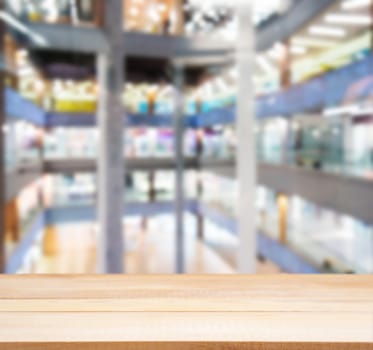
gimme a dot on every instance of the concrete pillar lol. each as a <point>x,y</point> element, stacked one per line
<point>287,141</point>
<point>246,158</point>
<point>110,160</point>
<point>2,143</point>
<point>179,185</point>
<point>349,153</point>
<point>199,184</point>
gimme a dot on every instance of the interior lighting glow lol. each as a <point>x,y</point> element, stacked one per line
<point>162,7</point>
<point>295,126</point>
<point>353,110</point>
<point>134,11</point>
<point>154,15</point>
<point>24,71</point>
<point>327,31</point>
<point>316,133</point>
<point>349,19</point>
<point>313,42</point>
<point>278,51</point>
<point>355,4</point>
<point>5,129</point>
<point>337,111</point>
<point>298,50</point>
<point>39,86</point>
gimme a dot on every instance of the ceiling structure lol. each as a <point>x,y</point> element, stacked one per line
<point>328,39</point>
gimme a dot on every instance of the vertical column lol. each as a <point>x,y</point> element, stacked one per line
<point>287,141</point>
<point>199,153</point>
<point>110,159</point>
<point>283,207</point>
<point>179,185</point>
<point>349,155</point>
<point>2,143</point>
<point>246,160</point>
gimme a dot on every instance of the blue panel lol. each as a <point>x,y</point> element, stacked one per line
<point>140,120</point>
<point>216,216</point>
<point>226,115</point>
<point>54,119</point>
<point>282,256</point>
<point>17,107</point>
<point>89,120</point>
<point>15,262</point>
<point>55,216</point>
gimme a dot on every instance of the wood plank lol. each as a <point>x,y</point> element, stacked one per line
<point>187,326</point>
<point>186,312</point>
<point>213,293</point>
<point>187,346</point>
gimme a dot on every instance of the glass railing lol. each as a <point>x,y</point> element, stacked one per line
<point>357,164</point>
<point>64,191</point>
<point>327,246</point>
<point>330,241</point>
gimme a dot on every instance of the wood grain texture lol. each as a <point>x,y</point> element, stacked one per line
<point>186,312</point>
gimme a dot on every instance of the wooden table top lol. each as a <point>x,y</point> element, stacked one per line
<point>256,312</point>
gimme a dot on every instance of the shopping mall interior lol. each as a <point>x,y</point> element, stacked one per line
<point>185,136</point>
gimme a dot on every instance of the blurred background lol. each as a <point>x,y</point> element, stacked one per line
<point>210,170</point>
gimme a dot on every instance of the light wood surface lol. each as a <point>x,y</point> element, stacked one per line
<point>186,312</point>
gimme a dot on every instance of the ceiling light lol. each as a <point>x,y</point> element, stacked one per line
<point>154,15</point>
<point>25,71</point>
<point>134,11</point>
<point>233,73</point>
<point>337,111</point>
<point>327,31</point>
<point>39,86</point>
<point>353,110</point>
<point>162,7</point>
<point>353,20</point>
<point>298,50</point>
<point>278,51</point>
<point>313,42</point>
<point>355,4</point>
